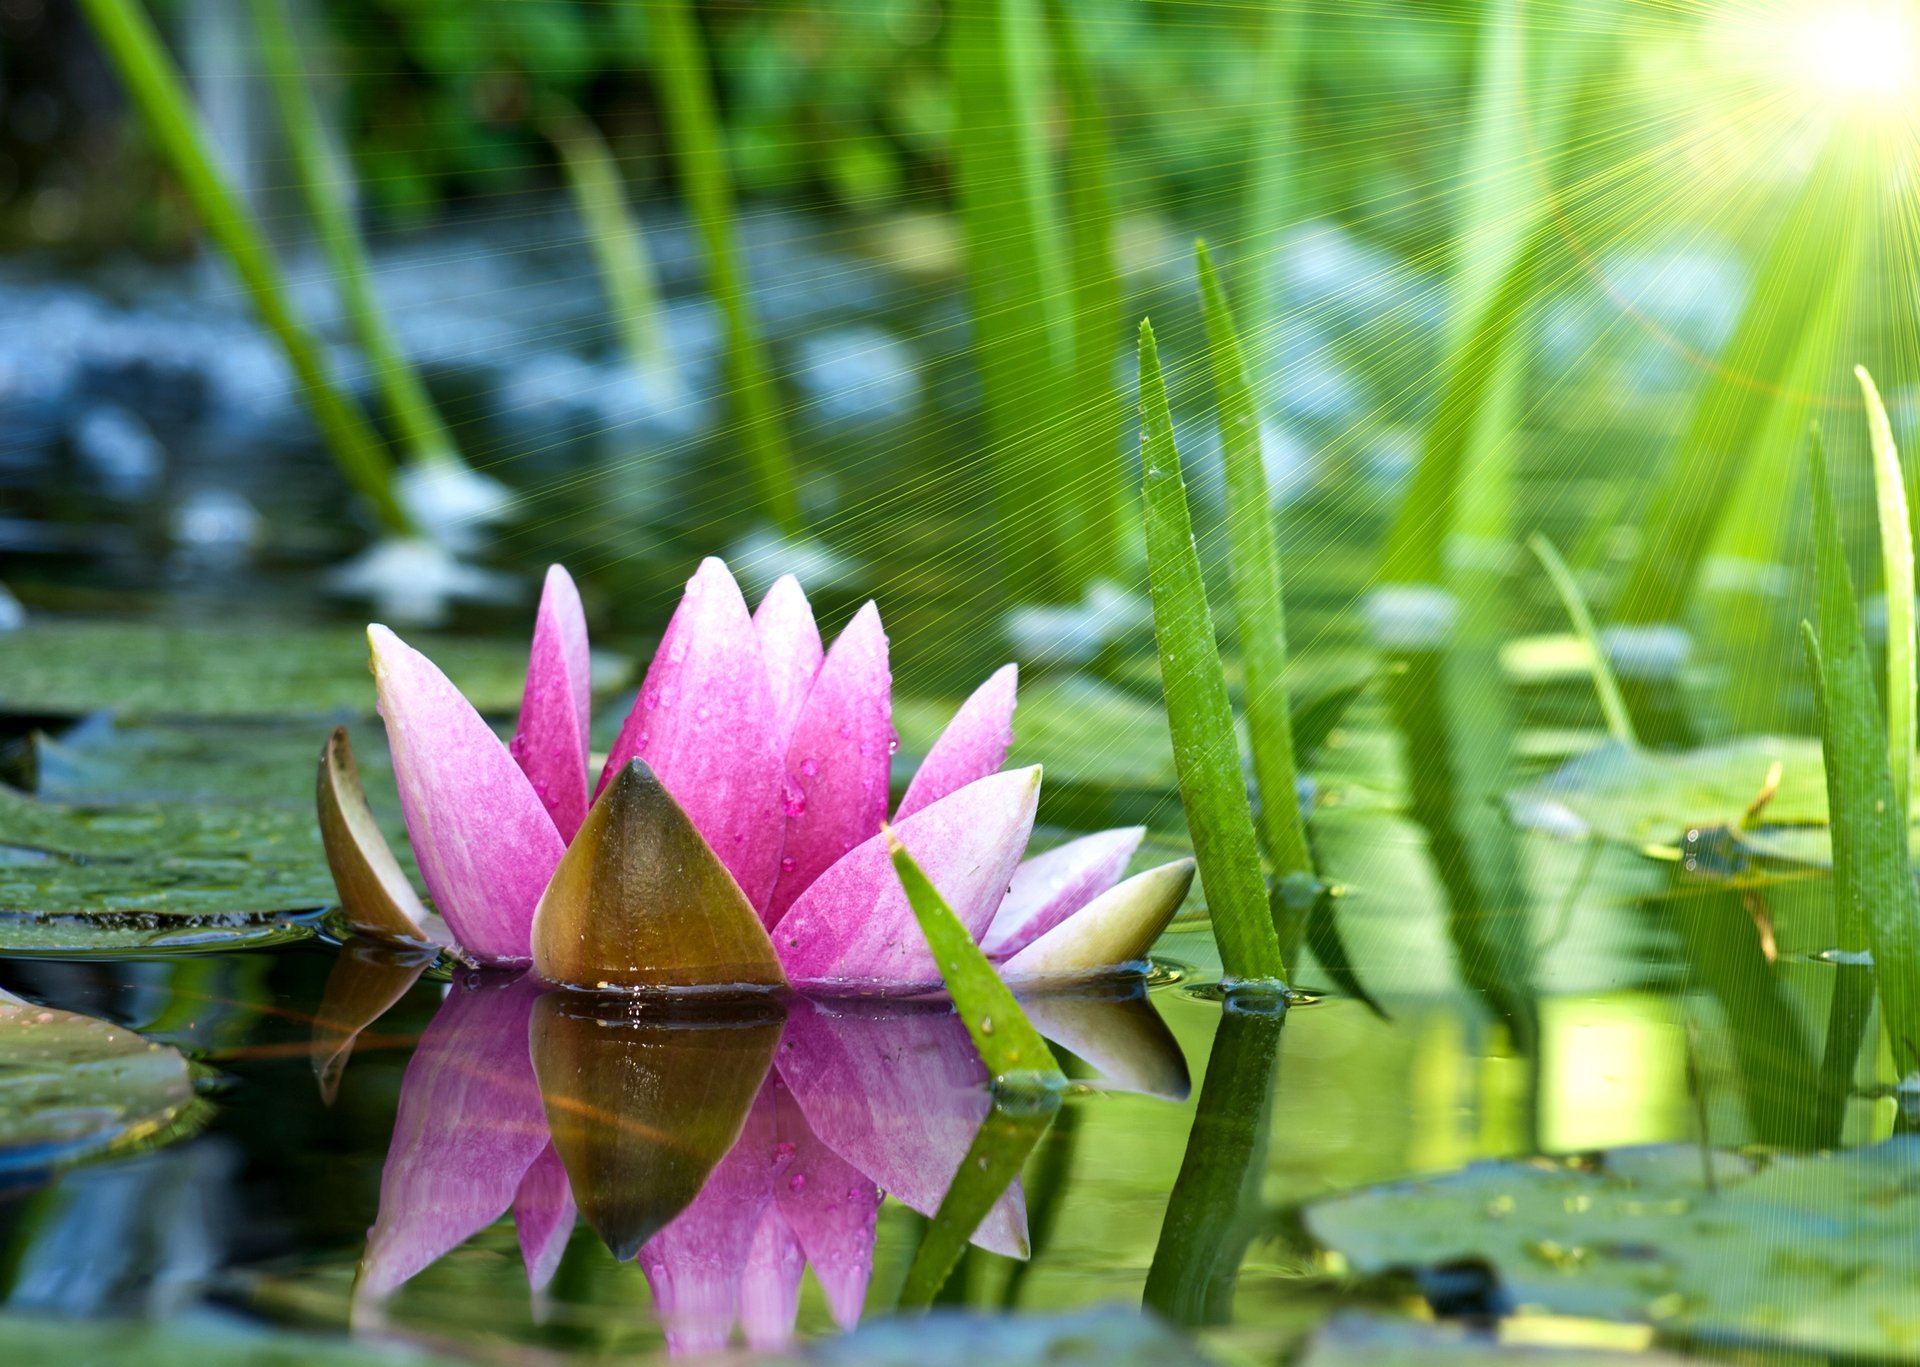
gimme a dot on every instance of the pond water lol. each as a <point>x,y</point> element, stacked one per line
<point>339,1140</point>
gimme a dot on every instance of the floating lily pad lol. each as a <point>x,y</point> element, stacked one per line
<point>1110,1336</point>
<point>1640,797</point>
<point>74,1085</point>
<point>1357,1340</point>
<point>1814,1252</point>
<point>70,668</point>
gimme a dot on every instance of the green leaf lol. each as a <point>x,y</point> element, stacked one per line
<point>158,94</point>
<point>1257,601</point>
<point>68,668</point>
<point>682,71</point>
<point>1873,883</point>
<point>72,1086</point>
<point>1896,555</point>
<point>239,1342</point>
<point>1206,750</point>
<point>1612,705</point>
<point>640,901</point>
<point>1812,1252</point>
<point>1011,1048</point>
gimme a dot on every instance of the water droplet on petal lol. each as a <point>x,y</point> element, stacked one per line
<point>809,767</point>
<point>797,1182</point>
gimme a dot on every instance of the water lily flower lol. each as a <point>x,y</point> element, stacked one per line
<point>736,835</point>
<point>724,1153</point>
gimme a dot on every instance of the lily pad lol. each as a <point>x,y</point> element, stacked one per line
<point>1636,797</point>
<point>1358,1340</point>
<point>74,1085</point>
<point>139,669</point>
<point>1813,1252</point>
<point>210,1340</point>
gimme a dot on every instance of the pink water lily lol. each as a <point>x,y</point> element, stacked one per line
<point>736,833</point>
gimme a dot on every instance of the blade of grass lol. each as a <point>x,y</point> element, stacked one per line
<point>1619,720</point>
<point>1206,750</point>
<point>324,180</point>
<point>619,247</point>
<point>1254,552</point>
<point>1094,409</point>
<point>159,94</point>
<point>683,70</point>
<point>1896,556</point>
<point>1009,1045</point>
<point>1873,885</point>
<point>1017,278</point>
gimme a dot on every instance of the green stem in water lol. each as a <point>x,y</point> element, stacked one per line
<point>137,53</point>
<point>1206,749</point>
<point>700,154</point>
<point>1896,555</point>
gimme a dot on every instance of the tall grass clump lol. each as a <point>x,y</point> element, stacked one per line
<point>1206,749</point>
<point>159,94</point>
<point>701,158</point>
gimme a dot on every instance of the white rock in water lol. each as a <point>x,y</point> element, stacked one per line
<point>414,581</point>
<point>1411,616</point>
<point>1073,633</point>
<point>859,374</point>
<point>451,502</point>
<point>762,556</point>
<point>1656,652</point>
<point>119,451</point>
<point>12,615</point>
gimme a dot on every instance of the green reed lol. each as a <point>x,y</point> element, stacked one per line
<point>160,96</point>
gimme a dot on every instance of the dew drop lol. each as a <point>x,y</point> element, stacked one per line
<point>809,767</point>
<point>788,863</point>
<point>797,1182</point>
<point>986,1025</point>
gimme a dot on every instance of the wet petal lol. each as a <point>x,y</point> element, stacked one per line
<point>1111,933</point>
<point>704,722</point>
<point>550,743</point>
<point>1121,1037</point>
<point>645,1100</point>
<point>770,1284</point>
<point>838,759</point>
<point>974,744</point>
<point>469,1125</point>
<point>639,901</point>
<point>1050,887</point>
<point>485,844</point>
<point>897,1091</point>
<point>376,899</point>
<point>853,929</point>
<point>790,644</point>
<point>543,1215</point>
<point>695,1265</point>
<point>830,1205</point>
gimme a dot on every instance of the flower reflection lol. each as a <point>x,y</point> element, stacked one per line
<point>724,1151</point>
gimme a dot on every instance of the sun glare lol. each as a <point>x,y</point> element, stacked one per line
<point>1860,54</point>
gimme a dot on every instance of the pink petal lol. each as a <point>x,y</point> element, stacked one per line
<point>704,722</point>
<point>898,1092</point>
<point>853,929</point>
<point>831,1207</point>
<point>470,1124</point>
<point>485,844</point>
<point>838,759</point>
<point>543,1215</point>
<point>770,1285</point>
<point>695,1264</point>
<point>974,744</point>
<point>550,742</point>
<point>790,644</point>
<point>1050,887</point>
